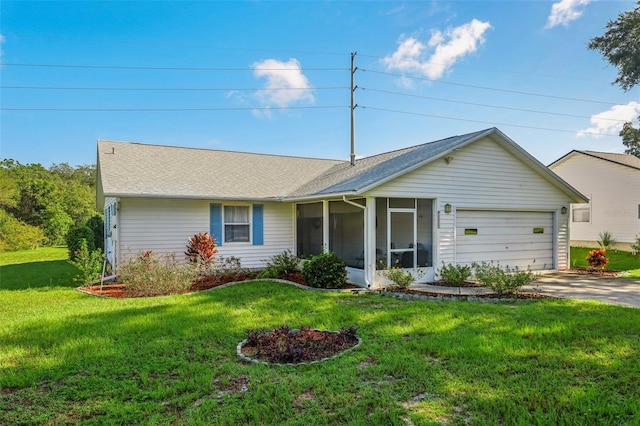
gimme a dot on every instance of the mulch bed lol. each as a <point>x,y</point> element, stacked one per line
<point>593,271</point>
<point>208,282</point>
<point>519,296</point>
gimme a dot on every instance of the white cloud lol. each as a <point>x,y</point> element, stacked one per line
<point>565,11</point>
<point>610,122</point>
<point>285,83</point>
<point>440,53</point>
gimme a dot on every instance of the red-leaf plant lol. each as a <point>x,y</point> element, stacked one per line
<point>201,250</point>
<point>597,258</point>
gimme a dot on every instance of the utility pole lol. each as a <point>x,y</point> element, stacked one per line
<point>353,111</point>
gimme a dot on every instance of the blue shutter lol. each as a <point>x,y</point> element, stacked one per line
<point>258,224</point>
<point>215,222</point>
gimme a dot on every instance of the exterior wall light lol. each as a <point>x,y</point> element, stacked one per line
<point>447,208</point>
<point>563,210</point>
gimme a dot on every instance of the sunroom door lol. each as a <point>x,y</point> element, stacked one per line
<point>402,238</point>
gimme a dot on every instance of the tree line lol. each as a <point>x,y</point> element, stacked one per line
<point>38,205</point>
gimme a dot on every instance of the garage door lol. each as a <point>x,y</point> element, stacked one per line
<point>513,238</point>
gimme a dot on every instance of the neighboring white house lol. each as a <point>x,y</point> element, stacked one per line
<point>466,198</point>
<point>612,184</point>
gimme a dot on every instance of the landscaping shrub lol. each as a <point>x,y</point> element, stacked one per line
<point>325,270</point>
<point>606,240</point>
<point>401,277</point>
<point>455,275</point>
<point>96,224</point>
<point>597,258</point>
<point>147,275</point>
<point>89,263</point>
<point>16,235</point>
<point>201,250</point>
<point>281,265</point>
<point>74,240</point>
<point>502,280</point>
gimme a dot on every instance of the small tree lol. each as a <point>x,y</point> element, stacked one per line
<point>201,250</point>
<point>96,224</point>
<point>89,263</point>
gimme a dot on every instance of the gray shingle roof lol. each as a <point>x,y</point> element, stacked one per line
<point>139,170</point>
<point>134,169</point>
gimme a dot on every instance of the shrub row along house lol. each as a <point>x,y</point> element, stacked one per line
<point>474,197</point>
<point>612,183</point>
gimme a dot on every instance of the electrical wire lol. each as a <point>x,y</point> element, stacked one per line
<point>483,121</point>
<point>490,88</point>
<point>486,105</point>
<point>125,67</point>
<point>171,89</point>
<point>171,109</point>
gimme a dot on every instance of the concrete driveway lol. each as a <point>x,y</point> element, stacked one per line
<point>619,291</point>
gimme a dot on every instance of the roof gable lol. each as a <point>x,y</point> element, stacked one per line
<point>626,160</point>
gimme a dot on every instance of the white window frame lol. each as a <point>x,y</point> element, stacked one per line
<point>578,207</point>
<point>225,224</point>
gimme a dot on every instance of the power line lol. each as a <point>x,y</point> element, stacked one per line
<point>484,122</point>
<point>492,88</point>
<point>170,109</point>
<point>170,89</point>
<point>487,105</point>
<point>492,69</point>
<point>180,46</point>
<point>123,67</point>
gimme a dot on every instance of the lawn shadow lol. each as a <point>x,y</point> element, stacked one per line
<point>46,274</point>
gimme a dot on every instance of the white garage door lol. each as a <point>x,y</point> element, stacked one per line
<point>512,238</point>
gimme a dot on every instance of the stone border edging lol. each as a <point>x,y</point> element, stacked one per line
<point>245,358</point>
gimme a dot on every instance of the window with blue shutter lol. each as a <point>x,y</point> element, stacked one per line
<point>215,222</point>
<point>258,224</point>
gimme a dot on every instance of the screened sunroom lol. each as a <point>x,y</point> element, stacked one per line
<point>369,234</point>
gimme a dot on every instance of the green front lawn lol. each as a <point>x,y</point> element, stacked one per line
<point>68,358</point>
<point>618,261</point>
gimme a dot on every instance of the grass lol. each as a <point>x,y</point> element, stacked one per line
<point>45,267</point>
<point>172,359</point>
<point>618,261</point>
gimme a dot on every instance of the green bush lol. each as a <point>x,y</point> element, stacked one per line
<point>16,235</point>
<point>74,240</point>
<point>455,275</point>
<point>147,275</point>
<point>502,280</point>
<point>401,277</point>
<point>281,265</point>
<point>96,224</point>
<point>325,270</point>
<point>89,263</point>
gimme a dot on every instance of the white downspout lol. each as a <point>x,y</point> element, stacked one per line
<point>366,239</point>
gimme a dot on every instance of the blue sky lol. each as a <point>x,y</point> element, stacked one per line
<point>273,77</point>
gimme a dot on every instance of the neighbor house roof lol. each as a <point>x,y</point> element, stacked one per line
<point>140,170</point>
<point>627,160</point>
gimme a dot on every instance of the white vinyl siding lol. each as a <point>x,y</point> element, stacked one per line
<point>614,192</point>
<point>516,239</point>
<point>481,176</point>
<point>163,225</point>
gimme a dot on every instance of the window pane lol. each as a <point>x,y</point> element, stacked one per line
<point>236,214</point>
<point>402,203</point>
<point>580,213</point>
<point>236,233</point>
